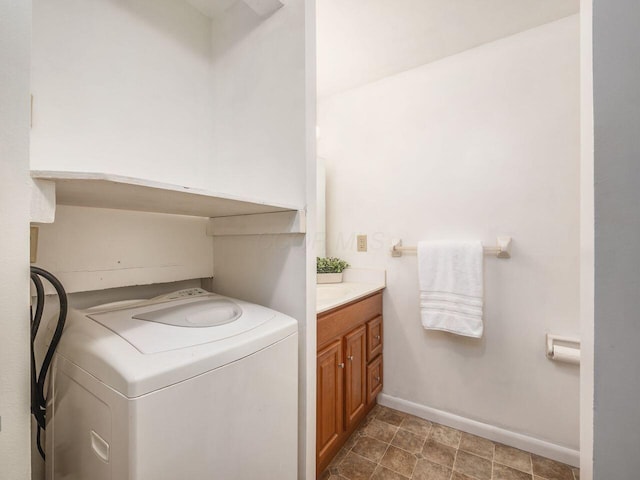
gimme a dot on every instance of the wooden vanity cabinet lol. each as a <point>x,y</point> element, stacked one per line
<point>349,372</point>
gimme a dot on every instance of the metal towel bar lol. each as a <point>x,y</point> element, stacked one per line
<point>501,250</point>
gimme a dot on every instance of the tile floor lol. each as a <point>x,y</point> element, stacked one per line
<point>396,446</point>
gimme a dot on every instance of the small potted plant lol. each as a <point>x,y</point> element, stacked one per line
<point>329,269</point>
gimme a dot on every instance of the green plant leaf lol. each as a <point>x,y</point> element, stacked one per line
<point>330,265</point>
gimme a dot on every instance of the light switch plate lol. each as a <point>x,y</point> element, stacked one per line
<point>362,243</point>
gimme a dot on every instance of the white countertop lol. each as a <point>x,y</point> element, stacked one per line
<point>358,283</point>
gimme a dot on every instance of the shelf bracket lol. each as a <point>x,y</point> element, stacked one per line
<point>43,201</point>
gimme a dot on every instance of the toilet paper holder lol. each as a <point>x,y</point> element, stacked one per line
<point>563,349</point>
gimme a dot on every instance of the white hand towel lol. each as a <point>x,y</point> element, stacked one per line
<point>451,286</point>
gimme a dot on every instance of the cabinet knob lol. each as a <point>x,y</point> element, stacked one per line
<point>341,365</point>
<point>350,357</point>
<point>377,337</point>
<point>378,379</point>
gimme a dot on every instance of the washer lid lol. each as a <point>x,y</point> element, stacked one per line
<point>154,328</point>
<point>210,312</point>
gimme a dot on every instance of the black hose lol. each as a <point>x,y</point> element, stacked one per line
<point>39,304</point>
<point>35,325</point>
<point>38,399</point>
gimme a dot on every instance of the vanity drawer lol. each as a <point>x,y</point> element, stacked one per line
<point>374,379</point>
<point>341,321</point>
<point>374,338</point>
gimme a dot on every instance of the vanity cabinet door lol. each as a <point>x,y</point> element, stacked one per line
<point>330,400</point>
<point>355,375</point>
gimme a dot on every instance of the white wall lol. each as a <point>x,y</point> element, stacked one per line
<point>124,88</point>
<point>364,42</point>
<point>98,248</point>
<point>480,144</point>
<point>586,241</point>
<point>259,88</point>
<point>264,104</point>
<point>15,33</point>
<point>321,219</point>
<point>128,88</point>
<point>307,456</point>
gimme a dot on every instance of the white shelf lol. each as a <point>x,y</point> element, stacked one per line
<point>101,190</point>
<point>261,224</point>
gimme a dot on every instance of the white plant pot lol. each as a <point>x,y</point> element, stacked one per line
<point>329,277</point>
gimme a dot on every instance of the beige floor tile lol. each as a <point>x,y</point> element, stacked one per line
<point>416,425</point>
<point>367,420</point>
<point>513,458</point>
<point>392,445</point>
<point>355,467</point>
<point>351,441</point>
<point>502,472</point>
<point>460,476</point>
<point>382,473</point>
<point>446,435</point>
<point>399,461</point>
<point>439,453</point>
<point>472,465</point>
<point>426,470</point>
<point>338,457</point>
<point>380,430</point>
<point>390,416</point>
<point>550,469</point>
<point>477,445</point>
<point>408,441</point>
<point>370,448</point>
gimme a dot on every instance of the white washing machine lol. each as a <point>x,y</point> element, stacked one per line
<point>190,385</point>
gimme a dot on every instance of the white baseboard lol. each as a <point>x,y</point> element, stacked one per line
<point>516,440</point>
